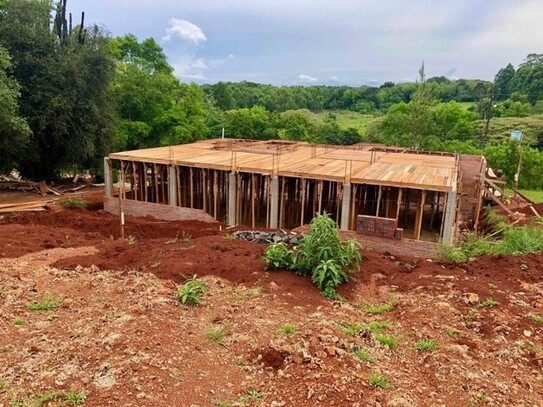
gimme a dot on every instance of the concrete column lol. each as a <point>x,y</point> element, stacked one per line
<point>108,178</point>
<point>449,218</point>
<point>172,186</point>
<point>274,203</point>
<point>345,207</point>
<point>232,188</point>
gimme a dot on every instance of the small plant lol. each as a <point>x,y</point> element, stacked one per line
<point>216,333</point>
<point>363,354</point>
<point>453,333</point>
<point>131,240</point>
<point>489,302</point>
<point>381,308</point>
<point>240,361</point>
<point>352,329</point>
<point>191,291</point>
<point>378,326</point>
<point>252,395</point>
<point>18,322</point>
<point>379,381</point>
<point>49,303</point>
<point>277,256</point>
<point>74,203</point>
<point>74,397</point>
<point>229,236</point>
<point>425,345</point>
<point>386,340</point>
<point>536,319</point>
<point>187,237</point>
<point>288,329</point>
<point>2,384</point>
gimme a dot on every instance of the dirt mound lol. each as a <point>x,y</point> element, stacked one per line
<point>271,357</point>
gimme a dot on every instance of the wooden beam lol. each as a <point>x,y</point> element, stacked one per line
<point>493,197</point>
<point>191,188</point>
<point>419,215</point>
<point>398,205</point>
<point>304,181</point>
<point>253,214</point>
<point>378,200</point>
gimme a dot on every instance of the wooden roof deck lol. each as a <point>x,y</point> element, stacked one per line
<point>303,160</point>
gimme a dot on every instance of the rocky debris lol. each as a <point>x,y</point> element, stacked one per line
<point>268,237</point>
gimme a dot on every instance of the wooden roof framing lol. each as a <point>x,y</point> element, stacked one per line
<point>303,160</point>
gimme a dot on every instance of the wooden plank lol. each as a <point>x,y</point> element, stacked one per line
<point>419,215</point>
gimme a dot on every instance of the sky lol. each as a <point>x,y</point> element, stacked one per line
<point>331,42</point>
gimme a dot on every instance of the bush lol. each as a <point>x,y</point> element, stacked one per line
<point>321,253</point>
<point>74,203</point>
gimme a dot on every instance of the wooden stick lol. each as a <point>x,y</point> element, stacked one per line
<point>253,187</point>
<point>121,190</point>
<point>282,206</point>
<point>191,188</point>
<point>398,205</point>
<point>303,202</point>
<point>419,215</point>
<point>378,201</point>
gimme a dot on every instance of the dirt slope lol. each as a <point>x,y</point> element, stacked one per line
<point>117,333</point>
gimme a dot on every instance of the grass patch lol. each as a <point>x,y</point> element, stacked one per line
<point>425,345</point>
<point>489,302</point>
<point>378,326</point>
<point>536,319</point>
<point>48,303</point>
<point>58,397</point>
<point>363,354</point>
<point>190,292</point>
<point>535,195</point>
<point>453,333</point>
<point>19,322</point>
<point>131,240</point>
<point>381,308</point>
<point>288,329</point>
<point>216,332</point>
<point>379,381</point>
<point>386,340</point>
<point>74,203</point>
<point>229,236</point>
<point>352,329</point>
<point>244,294</point>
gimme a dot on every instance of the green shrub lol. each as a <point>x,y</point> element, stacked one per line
<point>536,319</point>
<point>74,203</point>
<point>191,291</point>
<point>363,354</point>
<point>288,329</point>
<point>278,256</point>
<point>216,333</point>
<point>386,340</point>
<point>49,302</point>
<point>381,308</point>
<point>489,302</point>
<point>321,253</point>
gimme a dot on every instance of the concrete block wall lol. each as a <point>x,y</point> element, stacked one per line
<point>158,211</point>
<point>377,226</point>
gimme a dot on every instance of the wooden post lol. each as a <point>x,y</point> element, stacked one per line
<point>145,182</point>
<point>163,175</point>
<point>253,186</point>
<point>378,201</point>
<point>155,182</point>
<point>191,188</point>
<point>398,205</point>
<point>121,191</point>
<point>353,208</point>
<point>135,181</point>
<point>282,205</point>
<point>302,209</point>
<point>419,215</point>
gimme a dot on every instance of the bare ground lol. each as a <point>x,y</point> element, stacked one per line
<point>117,334</point>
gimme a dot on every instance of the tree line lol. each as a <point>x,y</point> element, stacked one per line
<point>70,94</point>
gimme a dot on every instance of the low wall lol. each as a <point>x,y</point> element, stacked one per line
<point>158,211</point>
<point>380,227</point>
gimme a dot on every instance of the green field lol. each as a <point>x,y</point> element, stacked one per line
<point>536,196</point>
<point>348,119</point>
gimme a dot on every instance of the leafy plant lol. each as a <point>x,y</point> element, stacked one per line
<point>352,329</point>
<point>229,236</point>
<point>216,332</point>
<point>379,381</point>
<point>425,345</point>
<point>48,303</point>
<point>363,354</point>
<point>191,291</point>
<point>278,256</point>
<point>18,322</point>
<point>453,333</point>
<point>131,240</point>
<point>321,253</point>
<point>288,329</point>
<point>378,326</point>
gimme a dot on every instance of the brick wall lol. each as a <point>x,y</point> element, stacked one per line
<point>380,227</point>
<point>158,211</point>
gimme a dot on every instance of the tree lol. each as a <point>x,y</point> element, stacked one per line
<point>223,96</point>
<point>14,131</point>
<point>502,80</point>
<point>64,75</point>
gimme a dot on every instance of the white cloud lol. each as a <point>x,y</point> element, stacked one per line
<point>334,78</point>
<point>185,30</point>
<point>199,63</point>
<point>306,78</point>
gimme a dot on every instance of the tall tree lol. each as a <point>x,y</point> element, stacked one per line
<point>64,75</point>
<point>14,130</point>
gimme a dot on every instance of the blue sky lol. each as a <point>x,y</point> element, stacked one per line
<point>328,42</point>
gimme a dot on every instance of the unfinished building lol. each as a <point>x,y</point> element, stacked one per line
<point>375,190</point>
